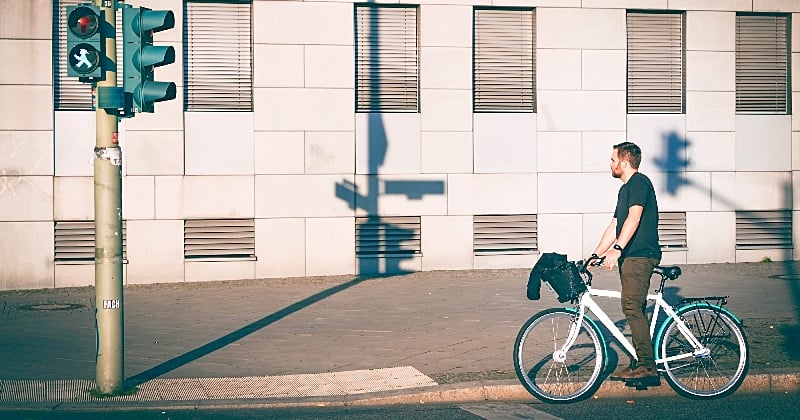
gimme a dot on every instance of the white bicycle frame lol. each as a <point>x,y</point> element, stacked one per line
<point>587,302</point>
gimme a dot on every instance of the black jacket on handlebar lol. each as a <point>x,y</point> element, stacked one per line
<point>546,262</point>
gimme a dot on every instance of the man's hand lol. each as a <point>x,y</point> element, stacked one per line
<point>612,258</point>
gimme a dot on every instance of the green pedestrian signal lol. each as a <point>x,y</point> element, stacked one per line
<point>85,42</point>
<point>140,56</point>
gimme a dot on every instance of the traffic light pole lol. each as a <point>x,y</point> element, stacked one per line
<point>108,224</point>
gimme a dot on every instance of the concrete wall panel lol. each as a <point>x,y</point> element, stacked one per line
<point>492,194</point>
<point>26,153</point>
<point>27,249</point>
<point>446,152</point>
<point>763,143</point>
<point>711,237</point>
<point>303,196</point>
<point>219,143</point>
<point>155,251</point>
<point>280,247</point>
<point>447,243</point>
<point>505,142</point>
<point>330,246</point>
<point>387,143</point>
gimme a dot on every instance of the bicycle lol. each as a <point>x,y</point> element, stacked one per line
<point>561,354</point>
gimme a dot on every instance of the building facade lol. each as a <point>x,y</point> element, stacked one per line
<point>328,137</point>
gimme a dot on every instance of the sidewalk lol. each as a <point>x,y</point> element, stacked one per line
<point>430,336</point>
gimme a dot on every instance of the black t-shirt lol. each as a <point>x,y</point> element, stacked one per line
<point>639,191</point>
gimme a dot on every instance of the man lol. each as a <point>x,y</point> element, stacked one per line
<point>631,241</point>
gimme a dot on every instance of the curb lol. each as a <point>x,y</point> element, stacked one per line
<point>511,390</point>
<point>466,392</point>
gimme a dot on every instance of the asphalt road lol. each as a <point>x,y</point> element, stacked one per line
<point>738,406</point>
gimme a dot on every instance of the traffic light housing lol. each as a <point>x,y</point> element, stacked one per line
<point>85,42</point>
<point>140,56</point>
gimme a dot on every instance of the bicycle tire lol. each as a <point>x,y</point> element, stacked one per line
<point>575,378</point>
<point>717,374</point>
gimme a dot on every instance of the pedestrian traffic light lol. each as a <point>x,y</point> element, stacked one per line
<point>85,42</point>
<point>140,56</point>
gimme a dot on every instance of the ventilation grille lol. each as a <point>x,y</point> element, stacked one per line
<point>505,234</point>
<point>74,242</point>
<point>672,231</point>
<point>764,229</point>
<point>219,239</point>
<point>388,236</point>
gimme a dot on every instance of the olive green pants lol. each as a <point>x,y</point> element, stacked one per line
<point>635,273</point>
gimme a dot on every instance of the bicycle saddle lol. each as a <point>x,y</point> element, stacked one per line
<point>671,272</point>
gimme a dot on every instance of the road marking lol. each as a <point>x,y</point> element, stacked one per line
<point>504,411</point>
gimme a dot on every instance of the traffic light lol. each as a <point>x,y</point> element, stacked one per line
<point>85,42</point>
<point>140,56</point>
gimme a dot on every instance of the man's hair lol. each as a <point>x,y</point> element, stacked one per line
<point>630,152</point>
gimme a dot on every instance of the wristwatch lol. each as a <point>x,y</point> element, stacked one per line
<point>617,247</point>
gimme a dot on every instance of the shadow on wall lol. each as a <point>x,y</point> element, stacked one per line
<point>384,239</point>
<point>381,246</point>
<point>674,165</point>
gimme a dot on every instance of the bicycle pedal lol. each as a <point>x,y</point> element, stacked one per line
<point>642,384</point>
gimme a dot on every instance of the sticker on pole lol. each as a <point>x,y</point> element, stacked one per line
<point>111,304</point>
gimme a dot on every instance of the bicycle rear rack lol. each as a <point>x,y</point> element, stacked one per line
<point>719,300</point>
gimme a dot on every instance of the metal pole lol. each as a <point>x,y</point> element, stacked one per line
<point>108,226</point>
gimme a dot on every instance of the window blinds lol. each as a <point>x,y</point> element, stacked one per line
<point>655,62</point>
<point>762,64</point>
<point>504,60</point>
<point>387,58</point>
<point>218,70</point>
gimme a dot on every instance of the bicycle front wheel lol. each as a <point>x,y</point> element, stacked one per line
<point>550,374</point>
<point>716,374</point>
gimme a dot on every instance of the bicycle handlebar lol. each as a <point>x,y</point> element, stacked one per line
<point>593,261</point>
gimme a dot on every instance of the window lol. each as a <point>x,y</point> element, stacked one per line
<point>655,62</point>
<point>387,58</point>
<point>762,64</point>
<point>218,64</point>
<point>503,60</point>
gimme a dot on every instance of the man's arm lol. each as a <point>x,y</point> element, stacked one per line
<point>607,239</point>
<point>629,227</point>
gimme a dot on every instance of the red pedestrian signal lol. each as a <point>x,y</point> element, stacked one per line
<point>84,42</point>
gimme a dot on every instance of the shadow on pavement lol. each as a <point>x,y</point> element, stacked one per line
<point>233,336</point>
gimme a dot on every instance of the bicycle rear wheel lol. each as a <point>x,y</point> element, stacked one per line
<point>716,374</point>
<point>545,374</point>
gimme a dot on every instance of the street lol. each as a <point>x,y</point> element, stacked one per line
<point>737,406</point>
